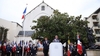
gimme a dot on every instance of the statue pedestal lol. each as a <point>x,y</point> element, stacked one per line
<point>93,52</point>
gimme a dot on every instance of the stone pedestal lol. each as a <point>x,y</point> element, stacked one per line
<point>92,52</point>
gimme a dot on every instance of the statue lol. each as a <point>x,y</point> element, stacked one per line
<point>90,36</point>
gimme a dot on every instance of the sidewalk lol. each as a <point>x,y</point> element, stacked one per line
<point>40,53</point>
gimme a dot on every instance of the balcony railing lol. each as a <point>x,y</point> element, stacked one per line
<point>95,20</point>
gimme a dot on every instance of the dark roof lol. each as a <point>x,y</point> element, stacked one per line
<point>27,33</point>
<point>17,24</point>
<point>97,11</point>
<point>39,5</point>
<point>36,7</point>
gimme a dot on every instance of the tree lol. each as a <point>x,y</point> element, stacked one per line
<point>60,24</point>
<point>3,33</point>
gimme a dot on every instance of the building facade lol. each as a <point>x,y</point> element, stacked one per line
<point>42,9</point>
<point>94,23</point>
<point>13,28</point>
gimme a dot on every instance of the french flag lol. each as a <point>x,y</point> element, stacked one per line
<point>23,16</point>
<point>79,46</point>
<point>68,51</point>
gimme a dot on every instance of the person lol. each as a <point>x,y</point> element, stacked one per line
<point>3,49</point>
<point>72,49</point>
<point>13,50</point>
<point>46,46</point>
<point>56,39</point>
<point>0,48</point>
<point>84,50</point>
<point>40,45</point>
<point>8,49</point>
<point>33,50</point>
<point>19,50</point>
<point>28,50</point>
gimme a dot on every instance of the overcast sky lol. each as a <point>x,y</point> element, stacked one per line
<point>12,10</point>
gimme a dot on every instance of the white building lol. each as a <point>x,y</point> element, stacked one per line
<point>41,10</point>
<point>94,23</point>
<point>13,28</point>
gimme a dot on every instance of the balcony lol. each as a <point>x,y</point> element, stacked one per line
<point>97,35</point>
<point>97,32</point>
<point>95,27</point>
<point>95,20</point>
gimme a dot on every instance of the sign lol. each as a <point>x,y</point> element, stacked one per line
<point>56,49</point>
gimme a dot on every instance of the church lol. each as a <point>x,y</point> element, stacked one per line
<point>42,9</point>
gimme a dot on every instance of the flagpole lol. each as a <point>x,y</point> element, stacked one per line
<point>23,24</point>
<point>23,38</point>
<point>68,50</point>
<point>23,33</point>
<point>79,45</point>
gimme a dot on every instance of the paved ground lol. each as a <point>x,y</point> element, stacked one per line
<point>40,53</point>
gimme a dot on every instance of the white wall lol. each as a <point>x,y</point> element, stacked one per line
<point>18,39</point>
<point>99,18</point>
<point>35,14</point>
<point>90,24</point>
<point>13,28</point>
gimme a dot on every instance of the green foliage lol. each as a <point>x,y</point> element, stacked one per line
<point>3,33</point>
<point>60,24</point>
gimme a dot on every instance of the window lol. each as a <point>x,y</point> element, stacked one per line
<point>98,39</point>
<point>97,31</point>
<point>95,23</point>
<point>94,17</point>
<point>42,8</point>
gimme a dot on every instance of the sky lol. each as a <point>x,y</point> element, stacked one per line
<point>12,10</point>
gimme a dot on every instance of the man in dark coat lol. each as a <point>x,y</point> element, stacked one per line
<point>72,49</point>
<point>45,47</point>
<point>33,50</point>
<point>8,49</point>
<point>19,50</point>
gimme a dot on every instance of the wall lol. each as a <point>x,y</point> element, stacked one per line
<point>12,27</point>
<point>90,24</point>
<point>18,39</point>
<point>35,14</point>
<point>95,52</point>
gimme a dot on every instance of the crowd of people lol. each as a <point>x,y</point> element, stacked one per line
<point>20,49</point>
<point>30,49</point>
<point>25,48</point>
<point>74,51</point>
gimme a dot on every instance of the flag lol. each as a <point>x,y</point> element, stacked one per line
<point>23,16</point>
<point>79,45</point>
<point>68,51</point>
<point>13,48</point>
<point>28,48</point>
